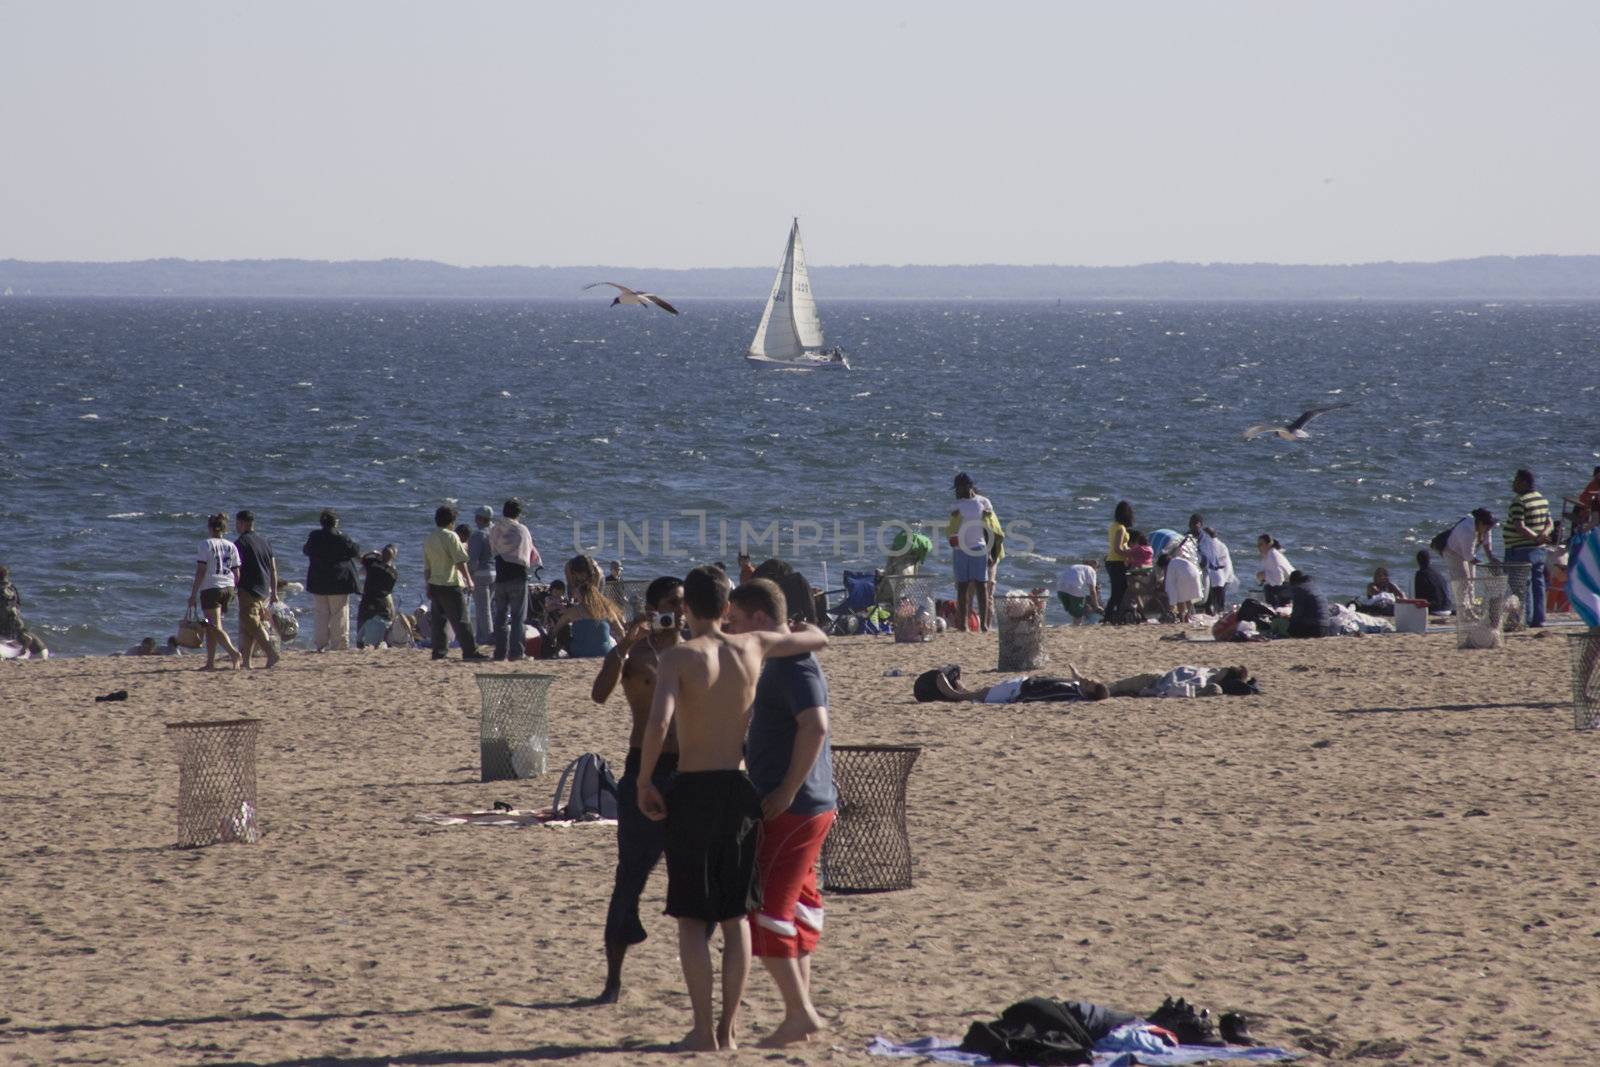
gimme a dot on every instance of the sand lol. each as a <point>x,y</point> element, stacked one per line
<point>1389,854</point>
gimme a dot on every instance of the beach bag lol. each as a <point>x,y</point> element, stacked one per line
<point>925,689</point>
<point>191,633</point>
<point>594,791</point>
<point>284,622</point>
<point>401,633</point>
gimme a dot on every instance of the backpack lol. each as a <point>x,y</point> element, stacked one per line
<point>594,790</point>
<point>1441,538</point>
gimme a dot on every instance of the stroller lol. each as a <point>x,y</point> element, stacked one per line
<point>1144,598</point>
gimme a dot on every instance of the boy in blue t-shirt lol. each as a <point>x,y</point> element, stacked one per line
<point>791,766</point>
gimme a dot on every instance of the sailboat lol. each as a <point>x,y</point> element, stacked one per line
<point>790,334</point>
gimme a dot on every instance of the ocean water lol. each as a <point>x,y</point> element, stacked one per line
<point>124,423</point>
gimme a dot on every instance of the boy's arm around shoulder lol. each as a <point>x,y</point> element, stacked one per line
<point>797,642</point>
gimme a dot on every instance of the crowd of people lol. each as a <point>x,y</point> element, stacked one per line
<point>1175,575</point>
<point>482,588</point>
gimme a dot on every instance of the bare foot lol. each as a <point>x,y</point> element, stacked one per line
<point>234,659</point>
<point>609,994</point>
<point>209,667</point>
<point>792,1032</point>
<point>697,1041</point>
<point>726,1041</point>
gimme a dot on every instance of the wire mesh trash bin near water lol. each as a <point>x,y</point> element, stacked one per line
<point>911,608</point>
<point>216,781</point>
<point>1480,610</point>
<point>1585,679</point>
<point>1021,621</point>
<point>514,727</point>
<point>1517,576</point>
<point>868,848</point>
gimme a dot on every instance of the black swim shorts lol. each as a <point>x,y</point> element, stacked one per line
<point>216,598</point>
<point>713,834</point>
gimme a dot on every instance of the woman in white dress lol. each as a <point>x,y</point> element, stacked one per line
<point>1183,583</point>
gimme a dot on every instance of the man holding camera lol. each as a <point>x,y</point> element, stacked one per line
<point>640,840</point>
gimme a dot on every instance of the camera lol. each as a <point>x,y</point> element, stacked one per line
<point>662,621</point>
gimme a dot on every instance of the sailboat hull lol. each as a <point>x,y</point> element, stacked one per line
<point>796,364</point>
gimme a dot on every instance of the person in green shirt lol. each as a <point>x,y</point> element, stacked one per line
<point>448,580</point>
<point>1526,531</point>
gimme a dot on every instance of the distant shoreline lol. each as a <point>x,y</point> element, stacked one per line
<point>1538,278</point>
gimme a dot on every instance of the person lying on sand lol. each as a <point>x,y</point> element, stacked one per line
<point>1025,690</point>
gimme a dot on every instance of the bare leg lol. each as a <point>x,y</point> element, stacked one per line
<point>986,605</point>
<point>214,623</point>
<point>735,969</point>
<point>963,603</point>
<point>800,1019</point>
<point>211,646</point>
<point>694,954</point>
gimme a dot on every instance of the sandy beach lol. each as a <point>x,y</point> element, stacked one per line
<point>1386,855</point>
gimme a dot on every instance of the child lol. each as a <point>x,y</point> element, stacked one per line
<point>1139,555</point>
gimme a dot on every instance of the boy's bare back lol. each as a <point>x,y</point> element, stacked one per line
<point>717,675</point>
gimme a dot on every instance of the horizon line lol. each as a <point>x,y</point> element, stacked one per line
<point>815,266</point>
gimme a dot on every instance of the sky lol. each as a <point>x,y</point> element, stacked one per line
<point>687,134</point>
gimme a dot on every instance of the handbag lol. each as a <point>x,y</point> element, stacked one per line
<point>191,632</point>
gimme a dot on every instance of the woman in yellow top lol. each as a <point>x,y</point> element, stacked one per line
<point>971,535</point>
<point>1116,557</point>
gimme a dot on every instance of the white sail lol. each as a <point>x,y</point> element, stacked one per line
<point>803,308</point>
<point>789,326</point>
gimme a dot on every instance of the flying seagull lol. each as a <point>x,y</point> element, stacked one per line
<point>628,296</point>
<point>1295,431</point>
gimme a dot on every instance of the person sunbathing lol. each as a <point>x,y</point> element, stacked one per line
<point>1025,690</point>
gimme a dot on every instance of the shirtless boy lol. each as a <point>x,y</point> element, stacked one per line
<point>640,841</point>
<point>712,812</point>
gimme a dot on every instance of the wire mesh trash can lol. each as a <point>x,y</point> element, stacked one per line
<point>216,781</point>
<point>911,609</point>
<point>1517,576</point>
<point>1021,621</point>
<point>514,728</point>
<point>1480,610</point>
<point>1585,679</point>
<point>868,849</point>
<point>628,595</point>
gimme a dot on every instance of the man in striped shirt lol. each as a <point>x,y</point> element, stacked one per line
<point>1526,532</point>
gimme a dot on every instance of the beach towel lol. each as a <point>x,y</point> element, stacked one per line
<point>1583,577</point>
<point>947,1051</point>
<point>508,817</point>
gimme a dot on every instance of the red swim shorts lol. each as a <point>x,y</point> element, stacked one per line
<point>789,922</point>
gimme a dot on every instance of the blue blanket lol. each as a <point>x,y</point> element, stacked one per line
<point>937,1048</point>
